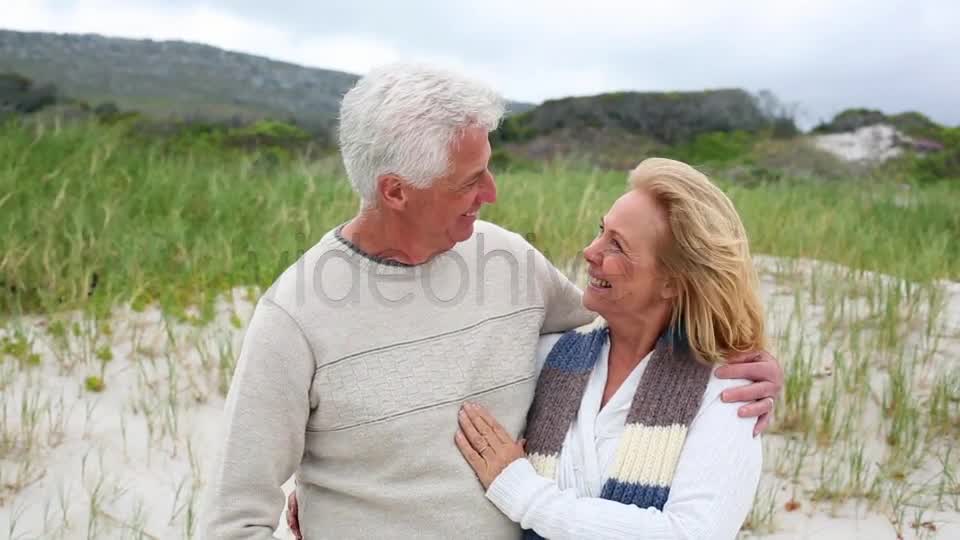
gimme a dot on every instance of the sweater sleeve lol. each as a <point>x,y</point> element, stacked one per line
<point>563,301</point>
<point>544,346</point>
<point>711,493</point>
<point>265,419</point>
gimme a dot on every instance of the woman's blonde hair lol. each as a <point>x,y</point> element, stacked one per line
<point>706,254</point>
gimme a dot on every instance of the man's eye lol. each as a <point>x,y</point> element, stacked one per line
<point>616,244</point>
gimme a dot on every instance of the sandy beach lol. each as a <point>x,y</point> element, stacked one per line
<point>130,460</point>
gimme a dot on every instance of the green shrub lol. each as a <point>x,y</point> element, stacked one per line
<point>21,95</point>
<point>713,148</point>
<point>941,165</point>
<point>916,125</point>
<point>514,128</point>
<point>911,123</point>
<point>850,120</point>
<point>269,130</point>
<point>94,384</point>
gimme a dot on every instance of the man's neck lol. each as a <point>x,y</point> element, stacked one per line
<point>377,235</point>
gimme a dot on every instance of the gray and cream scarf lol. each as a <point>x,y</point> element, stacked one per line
<point>667,400</point>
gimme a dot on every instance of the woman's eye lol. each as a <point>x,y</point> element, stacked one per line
<point>616,244</point>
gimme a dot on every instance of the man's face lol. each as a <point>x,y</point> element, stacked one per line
<point>445,212</point>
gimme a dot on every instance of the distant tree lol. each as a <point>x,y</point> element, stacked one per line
<point>667,117</point>
<point>911,123</point>
<point>943,164</point>
<point>21,95</point>
<point>106,109</point>
<point>768,103</point>
<point>781,116</point>
<point>916,124</point>
<point>852,120</point>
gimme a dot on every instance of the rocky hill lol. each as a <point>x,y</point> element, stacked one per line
<point>667,117</point>
<point>169,77</point>
<point>177,78</point>
<point>911,123</point>
<point>194,81</point>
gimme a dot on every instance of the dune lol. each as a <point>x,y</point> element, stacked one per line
<point>129,460</point>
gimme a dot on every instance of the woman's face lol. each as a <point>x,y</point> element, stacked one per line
<point>622,259</point>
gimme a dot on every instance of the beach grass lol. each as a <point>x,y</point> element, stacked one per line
<point>116,253</point>
<point>91,215</point>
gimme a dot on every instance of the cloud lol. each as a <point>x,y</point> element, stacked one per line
<point>825,55</point>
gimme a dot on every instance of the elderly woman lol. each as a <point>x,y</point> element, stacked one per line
<point>627,436</point>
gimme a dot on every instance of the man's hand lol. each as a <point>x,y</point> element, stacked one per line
<point>293,521</point>
<point>767,376</point>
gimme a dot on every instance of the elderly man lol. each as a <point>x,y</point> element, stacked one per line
<point>358,357</point>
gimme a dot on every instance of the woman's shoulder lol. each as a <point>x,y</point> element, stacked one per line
<point>589,335</point>
<point>712,398</point>
<point>544,346</point>
<point>716,386</point>
<point>546,343</point>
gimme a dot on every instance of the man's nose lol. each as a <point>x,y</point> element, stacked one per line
<point>488,193</point>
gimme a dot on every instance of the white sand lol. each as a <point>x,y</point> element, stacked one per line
<point>107,437</point>
<point>126,449</point>
<point>868,144</point>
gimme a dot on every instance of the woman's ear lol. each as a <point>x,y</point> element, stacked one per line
<point>669,289</point>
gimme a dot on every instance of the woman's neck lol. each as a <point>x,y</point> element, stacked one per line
<point>631,339</point>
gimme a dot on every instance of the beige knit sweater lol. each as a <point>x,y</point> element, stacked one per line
<point>351,374</point>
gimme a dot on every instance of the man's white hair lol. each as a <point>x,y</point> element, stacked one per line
<point>401,119</point>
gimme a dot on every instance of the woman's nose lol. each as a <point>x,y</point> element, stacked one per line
<point>592,253</point>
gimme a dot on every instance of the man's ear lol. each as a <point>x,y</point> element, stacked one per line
<point>392,191</point>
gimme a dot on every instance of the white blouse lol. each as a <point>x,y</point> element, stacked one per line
<point>711,492</point>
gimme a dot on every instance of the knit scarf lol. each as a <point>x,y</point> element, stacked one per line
<point>666,401</point>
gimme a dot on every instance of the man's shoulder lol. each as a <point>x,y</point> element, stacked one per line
<point>493,236</point>
<point>495,231</point>
<point>293,287</point>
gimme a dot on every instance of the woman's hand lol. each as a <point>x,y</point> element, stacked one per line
<point>487,447</point>
<point>293,518</point>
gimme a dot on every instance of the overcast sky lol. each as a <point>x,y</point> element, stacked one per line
<point>822,55</point>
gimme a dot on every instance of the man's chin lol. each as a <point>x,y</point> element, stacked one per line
<point>463,231</point>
